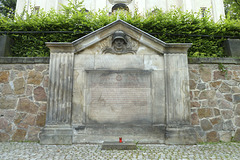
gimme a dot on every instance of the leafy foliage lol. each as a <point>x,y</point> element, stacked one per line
<point>7,7</point>
<point>232,8</point>
<point>174,26</point>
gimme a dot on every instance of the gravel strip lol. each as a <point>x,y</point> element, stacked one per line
<point>35,151</point>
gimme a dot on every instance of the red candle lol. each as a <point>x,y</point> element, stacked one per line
<point>120,139</point>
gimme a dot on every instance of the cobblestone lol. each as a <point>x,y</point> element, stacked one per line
<point>35,151</point>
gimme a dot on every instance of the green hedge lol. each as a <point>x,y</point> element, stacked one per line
<point>174,26</point>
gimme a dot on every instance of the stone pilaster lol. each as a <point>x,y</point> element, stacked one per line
<point>58,120</point>
<point>178,129</point>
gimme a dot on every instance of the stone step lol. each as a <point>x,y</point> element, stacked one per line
<point>119,146</point>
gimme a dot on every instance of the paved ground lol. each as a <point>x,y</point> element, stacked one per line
<point>24,151</point>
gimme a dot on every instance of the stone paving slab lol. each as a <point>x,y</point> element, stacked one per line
<point>35,151</point>
<point>119,146</point>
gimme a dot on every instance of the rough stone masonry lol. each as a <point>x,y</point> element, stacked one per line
<point>23,89</point>
<point>215,101</point>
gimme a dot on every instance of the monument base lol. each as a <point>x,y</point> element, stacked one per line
<point>180,135</point>
<point>59,135</point>
<point>119,146</point>
<point>110,133</point>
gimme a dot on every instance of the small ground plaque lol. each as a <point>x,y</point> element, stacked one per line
<point>119,146</point>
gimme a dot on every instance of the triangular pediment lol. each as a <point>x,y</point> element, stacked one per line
<point>132,37</point>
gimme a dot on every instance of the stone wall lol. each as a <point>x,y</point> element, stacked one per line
<point>215,99</point>
<point>23,99</point>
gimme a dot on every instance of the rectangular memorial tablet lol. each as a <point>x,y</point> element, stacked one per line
<point>119,97</point>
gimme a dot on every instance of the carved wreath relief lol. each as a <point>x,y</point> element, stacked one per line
<point>120,43</point>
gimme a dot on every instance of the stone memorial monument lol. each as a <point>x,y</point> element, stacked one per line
<point>118,82</point>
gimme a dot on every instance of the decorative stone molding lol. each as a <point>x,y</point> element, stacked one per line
<point>60,88</point>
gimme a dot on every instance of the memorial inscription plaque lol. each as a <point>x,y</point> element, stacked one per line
<point>119,97</point>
